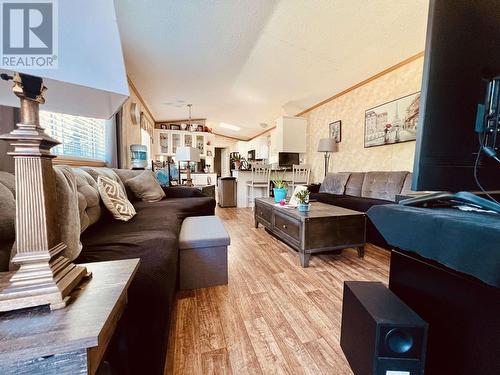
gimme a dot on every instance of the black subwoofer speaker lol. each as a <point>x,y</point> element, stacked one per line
<point>380,335</point>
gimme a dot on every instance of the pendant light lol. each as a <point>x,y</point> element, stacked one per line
<point>190,125</point>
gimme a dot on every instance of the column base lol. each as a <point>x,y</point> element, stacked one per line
<point>56,294</point>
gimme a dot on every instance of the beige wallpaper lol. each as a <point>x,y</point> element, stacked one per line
<point>131,133</point>
<point>350,108</point>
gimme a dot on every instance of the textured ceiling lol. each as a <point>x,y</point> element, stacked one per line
<point>246,62</point>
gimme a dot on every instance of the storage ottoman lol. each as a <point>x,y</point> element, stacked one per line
<point>203,243</point>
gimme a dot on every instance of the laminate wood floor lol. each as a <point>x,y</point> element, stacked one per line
<point>274,317</point>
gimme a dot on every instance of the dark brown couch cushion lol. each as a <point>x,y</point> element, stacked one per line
<point>198,206</point>
<point>354,184</point>
<point>383,185</point>
<point>407,184</point>
<point>151,235</point>
<point>359,203</point>
<point>334,183</point>
<point>325,197</point>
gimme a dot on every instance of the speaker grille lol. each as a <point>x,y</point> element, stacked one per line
<point>400,342</point>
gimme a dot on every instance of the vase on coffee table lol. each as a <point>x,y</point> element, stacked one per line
<point>304,207</point>
<point>279,194</point>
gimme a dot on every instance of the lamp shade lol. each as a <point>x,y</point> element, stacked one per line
<point>90,78</point>
<point>327,145</point>
<point>187,154</point>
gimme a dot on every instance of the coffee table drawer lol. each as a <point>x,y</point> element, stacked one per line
<point>287,225</point>
<point>263,212</point>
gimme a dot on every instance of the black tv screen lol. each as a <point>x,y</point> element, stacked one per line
<point>462,53</point>
<point>288,159</point>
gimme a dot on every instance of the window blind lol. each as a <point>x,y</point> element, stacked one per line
<point>81,137</point>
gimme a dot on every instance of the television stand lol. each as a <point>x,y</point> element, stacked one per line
<point>452,199</point>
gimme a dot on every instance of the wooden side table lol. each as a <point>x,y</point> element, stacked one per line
<point>71,340</point>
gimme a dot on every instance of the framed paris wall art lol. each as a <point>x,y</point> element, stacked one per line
<point>392,122</point>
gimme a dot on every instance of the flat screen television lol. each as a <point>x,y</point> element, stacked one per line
<point>462,55</point>
<point>288,159</point>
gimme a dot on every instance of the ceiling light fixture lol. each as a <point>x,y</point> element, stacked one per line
<point>229,126</point>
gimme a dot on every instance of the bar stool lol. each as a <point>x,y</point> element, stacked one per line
<point>261,179</point>
<point>300,175</point>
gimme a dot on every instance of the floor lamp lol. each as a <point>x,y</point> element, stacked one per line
<point>327,145</point>
<point>89,81</point>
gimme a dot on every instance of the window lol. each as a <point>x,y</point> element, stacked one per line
<point>80,137</point>
<point>146,141</point>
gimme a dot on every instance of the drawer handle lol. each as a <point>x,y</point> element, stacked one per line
<point>284,226</point>
<point>262,213</point>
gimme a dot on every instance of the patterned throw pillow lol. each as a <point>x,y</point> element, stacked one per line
<point>115,199</point>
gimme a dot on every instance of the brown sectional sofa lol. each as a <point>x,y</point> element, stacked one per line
<point>140,342</point>
<point>361,190</point>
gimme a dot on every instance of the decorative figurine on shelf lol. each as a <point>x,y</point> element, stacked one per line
<point>237,160</point>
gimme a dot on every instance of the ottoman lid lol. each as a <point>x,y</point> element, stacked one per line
<point>202,231</point>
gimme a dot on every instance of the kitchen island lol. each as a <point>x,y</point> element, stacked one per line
<point>242,177</point>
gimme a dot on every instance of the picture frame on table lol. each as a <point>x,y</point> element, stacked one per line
<point>199,128</point>
<point>175,127</point>
<point>163,126</point>
<point>336,131</point>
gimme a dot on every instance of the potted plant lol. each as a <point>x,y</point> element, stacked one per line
<point>237,161</point>
<point>303,198</point>
<point>279,189</point>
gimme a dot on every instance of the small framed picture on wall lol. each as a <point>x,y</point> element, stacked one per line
<point>336,131</point>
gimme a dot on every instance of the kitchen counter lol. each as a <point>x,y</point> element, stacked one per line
<point>242,177</point>
<point>202,178</point>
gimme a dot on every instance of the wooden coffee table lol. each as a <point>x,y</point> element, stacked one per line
<point>323,228</point>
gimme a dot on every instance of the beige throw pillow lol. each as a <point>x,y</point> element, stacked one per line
<point>146,187</point>
<point>115,199</point>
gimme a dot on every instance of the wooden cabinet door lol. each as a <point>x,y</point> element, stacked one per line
<point>200,143</point>
<point>187,140</point>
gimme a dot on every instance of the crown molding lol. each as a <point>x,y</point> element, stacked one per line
<point>362,83</point>
<point>143,102</point>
